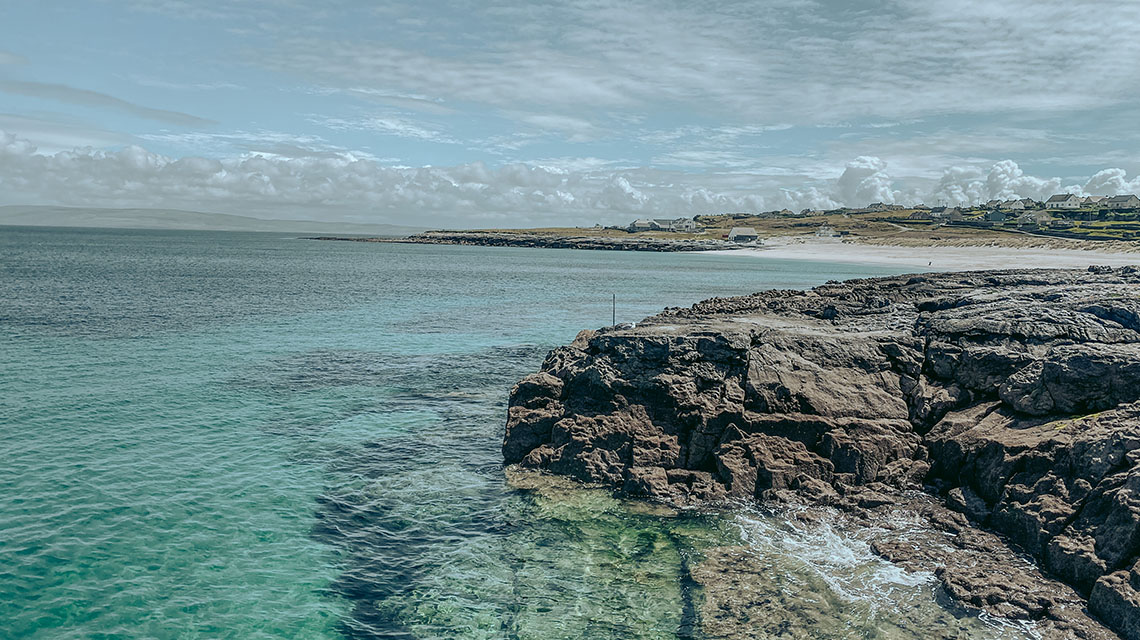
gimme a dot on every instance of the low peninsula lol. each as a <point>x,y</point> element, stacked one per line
<point>551,239</point>
<point>1088,229</point>
<point>985,425</point>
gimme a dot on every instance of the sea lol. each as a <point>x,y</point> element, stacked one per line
<point>254,435</point>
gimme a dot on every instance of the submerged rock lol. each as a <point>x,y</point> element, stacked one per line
<point>1012,396</point>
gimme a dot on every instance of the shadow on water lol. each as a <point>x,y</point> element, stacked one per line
<point>424,476</point>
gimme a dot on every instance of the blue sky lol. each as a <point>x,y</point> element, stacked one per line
<point>513,114</point>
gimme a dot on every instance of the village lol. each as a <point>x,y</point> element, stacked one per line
<point>1062,215</point>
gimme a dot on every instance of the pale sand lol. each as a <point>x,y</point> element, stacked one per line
<point>936,258</point>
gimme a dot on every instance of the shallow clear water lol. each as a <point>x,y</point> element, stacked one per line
<point>251,436</point>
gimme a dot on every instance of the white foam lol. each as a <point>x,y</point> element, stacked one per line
<point>842,560</point>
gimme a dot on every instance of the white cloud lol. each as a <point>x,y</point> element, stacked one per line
<point>347,185</point>
<point>865,180</point>
<point>387,125</point>
<point>1005,180</point>
<point>1111,182</point>
<point>568,164</point>
<point>60,133</point>
<point>10,145</point>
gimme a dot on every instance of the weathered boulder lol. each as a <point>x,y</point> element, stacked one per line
<point>1075,378</point>
<point>534,408</point>
<point>1116,598</point>
<point>1013,395</point>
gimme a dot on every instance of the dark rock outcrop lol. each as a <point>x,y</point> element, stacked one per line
<point>1004,402</point>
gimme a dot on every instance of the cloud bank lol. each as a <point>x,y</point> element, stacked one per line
<point>341,185</point>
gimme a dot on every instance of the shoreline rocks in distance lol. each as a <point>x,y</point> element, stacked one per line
<point>548,241</point>
<point>1002,409</point>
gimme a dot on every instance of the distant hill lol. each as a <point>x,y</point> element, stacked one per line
<point>47,216</point>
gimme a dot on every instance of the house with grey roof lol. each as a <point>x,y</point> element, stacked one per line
<point>644,224</point>
<point>1121,202</point>
<point>1063,201</point>
<point>743,234</point>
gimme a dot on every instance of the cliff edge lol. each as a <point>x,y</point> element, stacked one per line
<point>1002,402</point>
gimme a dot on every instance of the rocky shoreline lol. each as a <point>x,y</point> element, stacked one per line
<point>997,414</point>
<point>546,241</point>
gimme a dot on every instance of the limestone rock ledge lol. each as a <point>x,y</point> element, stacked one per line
<point>1002,402</point>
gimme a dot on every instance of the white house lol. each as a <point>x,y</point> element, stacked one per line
<point>1063,201</point>
<point>1093,201</point>
<point>1121,202</point>
<point>683,224</point>
<point>743,234</point>
<point>1013,205</point>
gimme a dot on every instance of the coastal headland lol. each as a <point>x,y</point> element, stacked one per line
<point>897,237</point>
<point>985,425</point>
<point>539,240</point>
<point>1095,230</point>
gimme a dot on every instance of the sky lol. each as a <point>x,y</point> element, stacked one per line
<point>480,113</point>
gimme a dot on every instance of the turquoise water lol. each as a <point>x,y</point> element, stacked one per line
<point>236,435</point>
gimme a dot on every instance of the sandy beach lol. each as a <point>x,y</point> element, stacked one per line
<point>936,258</point>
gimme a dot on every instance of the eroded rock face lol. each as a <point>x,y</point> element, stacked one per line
<point>1013,395</point>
